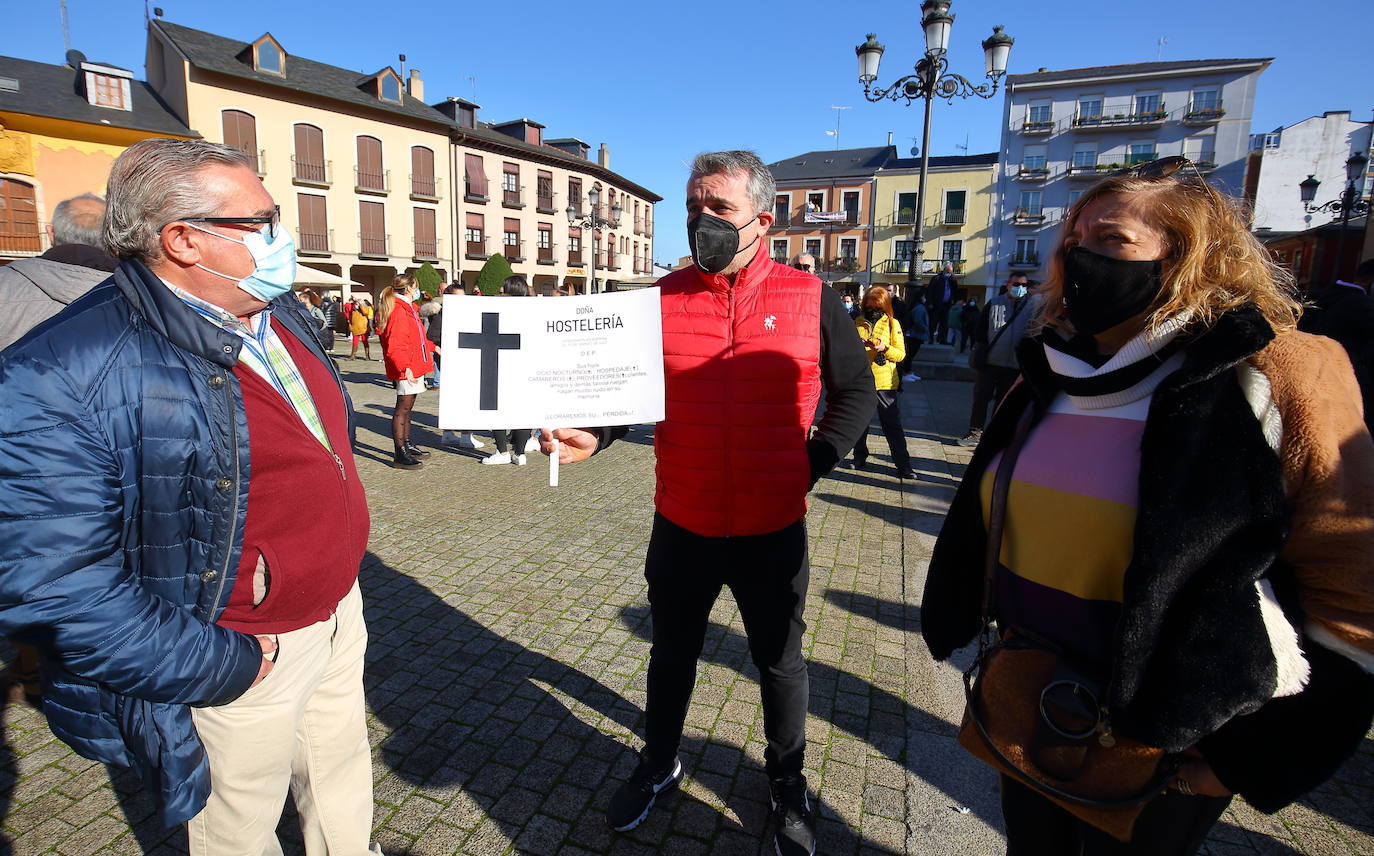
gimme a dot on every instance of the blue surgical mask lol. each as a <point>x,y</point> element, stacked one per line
<point>274,260</point>
<point>1018,291</point>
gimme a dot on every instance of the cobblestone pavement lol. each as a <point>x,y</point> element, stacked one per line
<point>506,676</point>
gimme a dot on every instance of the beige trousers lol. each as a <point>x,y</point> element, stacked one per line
<point>302,729</point>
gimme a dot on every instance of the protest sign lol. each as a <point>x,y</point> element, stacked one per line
<point>554,362</point>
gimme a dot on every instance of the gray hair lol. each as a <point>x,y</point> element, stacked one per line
<point>81,226</point>
<point>156,182</point>
<point>762,186</point>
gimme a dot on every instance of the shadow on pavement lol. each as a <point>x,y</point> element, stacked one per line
<point>886,732</point>
<point>469,709</point>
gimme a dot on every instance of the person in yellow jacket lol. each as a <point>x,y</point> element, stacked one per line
<point>359,324</point>
<point>882,337</point>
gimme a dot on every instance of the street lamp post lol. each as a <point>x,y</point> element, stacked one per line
<point>931,80</point>
<point>1347,205</point>
<point>591,222</point>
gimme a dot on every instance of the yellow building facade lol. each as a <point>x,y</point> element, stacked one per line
<point>61,128</point>
<point>957,221</point>
<point>375,181</point>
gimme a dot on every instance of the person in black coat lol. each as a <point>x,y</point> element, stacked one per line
<point>1344,311</point>
<point>939,295</point>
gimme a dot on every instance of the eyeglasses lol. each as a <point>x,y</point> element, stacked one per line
<point>1157,169</point>
<point>274,221</point>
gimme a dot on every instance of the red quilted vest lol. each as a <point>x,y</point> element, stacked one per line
<point>742,379</point>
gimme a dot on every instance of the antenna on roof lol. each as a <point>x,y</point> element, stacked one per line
<point>964,147</point>
<point>836,133</point>
<point>66,30</point>
<point>915,149</point>
<point>472,87</point>
<point>1159,45</point>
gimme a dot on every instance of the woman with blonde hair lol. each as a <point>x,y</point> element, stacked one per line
<point>883,341</point>
<point>1173,514</point>
<point>407,357</point>
<point>359,323</point>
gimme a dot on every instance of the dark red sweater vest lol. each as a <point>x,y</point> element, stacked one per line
<point>307,513</point>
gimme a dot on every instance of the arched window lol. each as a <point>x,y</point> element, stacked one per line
<point>241,132</point>
<point>18,218</point>
<point>370,173</point>
<point>309,157</point>
<point>422,172</point>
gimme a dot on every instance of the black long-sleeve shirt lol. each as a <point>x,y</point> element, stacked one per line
<point>850,398</point>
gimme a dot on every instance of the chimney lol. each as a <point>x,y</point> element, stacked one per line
<point>889,139</point>
<point>415,87</point>
<point>603,157</point>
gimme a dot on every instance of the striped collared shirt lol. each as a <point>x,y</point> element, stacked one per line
<point>265,354</point>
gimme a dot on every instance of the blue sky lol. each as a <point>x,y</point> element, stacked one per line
<point>658,82</point>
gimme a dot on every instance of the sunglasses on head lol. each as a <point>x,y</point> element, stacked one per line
<point>1157,169</point>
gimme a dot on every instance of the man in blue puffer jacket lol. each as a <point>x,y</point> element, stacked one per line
<point>158,582</point>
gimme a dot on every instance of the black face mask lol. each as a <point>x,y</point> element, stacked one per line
<point>873,316</point>
<point>1101,292</point>
<point>714,241</point>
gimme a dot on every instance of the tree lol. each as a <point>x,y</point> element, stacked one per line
<point>428,279</point>
<point>493,273</point>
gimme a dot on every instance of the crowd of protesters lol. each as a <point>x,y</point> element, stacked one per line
<point>1161,543</point>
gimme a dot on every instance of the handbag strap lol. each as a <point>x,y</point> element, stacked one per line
<point>997,516</point>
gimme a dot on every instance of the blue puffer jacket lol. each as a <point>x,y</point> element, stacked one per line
<point>124,488</point>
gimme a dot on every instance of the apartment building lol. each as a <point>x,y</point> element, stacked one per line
<point>517,191</point>
<point>1281,159</point>
<point>376,181</point>
<point>854,211</point>
<point>1062,130</point>
<point>956,226</point>
<point>824,208</point>
<point>61,127</point>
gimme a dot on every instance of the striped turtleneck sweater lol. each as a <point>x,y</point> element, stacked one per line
<point>1071,509</point>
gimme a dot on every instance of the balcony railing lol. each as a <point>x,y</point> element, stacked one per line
<point>373,245</point>
<point>1025,260</point>
<point>544,255</point>
<point>512,198</point>
<point>1032,173</point>
<point>428,249</point>
<point>314,242</point>
<point>513,252</point>
<point>476,249</point>
<point>544,204</point>
<point>424,187</point>
<point>1022,216</point>
<point>575,257</point>
<point>954,216</point>
<point>1037,128</point>
<point>1198,116</point>
<point>317,173</point>
<point>1137,119</point>
<point>1090,170</point>
<point>474,191</point>
<point>371,182</point>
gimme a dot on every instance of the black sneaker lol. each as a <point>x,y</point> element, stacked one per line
<point>632,800</point>
<point>794,827</point>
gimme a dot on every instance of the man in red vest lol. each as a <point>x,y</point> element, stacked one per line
<point>747,344</point>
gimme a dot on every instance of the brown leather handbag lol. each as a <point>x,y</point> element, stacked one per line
<point>1043,720</point>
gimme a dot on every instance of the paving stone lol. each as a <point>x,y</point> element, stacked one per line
<point>506,676</point>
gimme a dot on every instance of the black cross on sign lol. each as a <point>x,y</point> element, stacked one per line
<point>491,343</point>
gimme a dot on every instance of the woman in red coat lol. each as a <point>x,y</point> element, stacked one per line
<point>406,355</point>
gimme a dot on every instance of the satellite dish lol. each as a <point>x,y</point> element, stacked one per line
<point>75,58</point>
<point>915,151</point>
